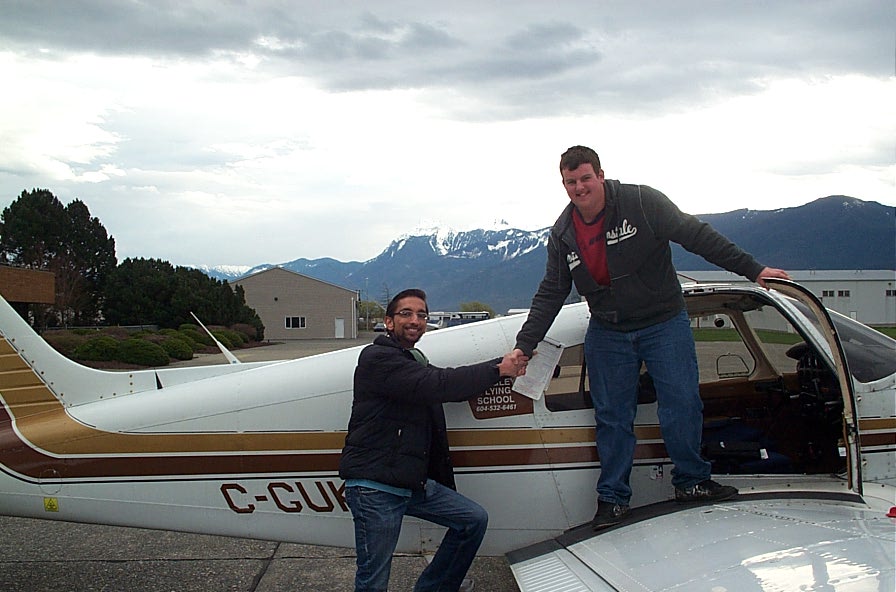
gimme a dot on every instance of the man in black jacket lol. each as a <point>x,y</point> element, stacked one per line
<point>395,460</point>
<point>613,242</point>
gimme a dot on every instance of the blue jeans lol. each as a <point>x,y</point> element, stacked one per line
<point>614,362</point>
<point>378,515</point>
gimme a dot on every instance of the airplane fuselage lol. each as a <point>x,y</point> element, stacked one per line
<point>251,450</point>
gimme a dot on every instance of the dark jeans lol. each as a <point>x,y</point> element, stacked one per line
<point>614,361</point>
<point>378,515</point>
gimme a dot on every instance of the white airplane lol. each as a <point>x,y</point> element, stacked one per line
<point>800,415</point>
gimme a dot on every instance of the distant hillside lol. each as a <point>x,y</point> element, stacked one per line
<point>502,268</point>
<point>835,232</point>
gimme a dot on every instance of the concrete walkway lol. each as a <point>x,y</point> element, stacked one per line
<point>49,556</point>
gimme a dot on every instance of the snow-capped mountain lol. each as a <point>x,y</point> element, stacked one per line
<point>502,266</point>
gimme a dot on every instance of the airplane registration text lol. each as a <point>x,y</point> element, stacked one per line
<point>293,496</point>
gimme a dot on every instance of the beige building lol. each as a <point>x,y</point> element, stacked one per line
<point>866,295</point>
<point>295,306</point>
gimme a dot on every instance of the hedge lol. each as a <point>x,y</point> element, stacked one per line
<point>101,348</point>
<point>142,352</point>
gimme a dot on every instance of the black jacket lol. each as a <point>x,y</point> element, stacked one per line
<point>397,433</point>
<point>644,289</point>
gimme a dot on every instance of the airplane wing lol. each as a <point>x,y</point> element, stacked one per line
<point>821,541</point>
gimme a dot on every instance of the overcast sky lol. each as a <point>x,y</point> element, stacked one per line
<point>250,132</point>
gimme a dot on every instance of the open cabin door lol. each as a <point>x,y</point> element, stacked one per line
<point>825,326</point>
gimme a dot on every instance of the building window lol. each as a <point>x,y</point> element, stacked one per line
<point>827,293</point>
<point>891,293</point>
<point>843,293</point>
<point>295,322</point>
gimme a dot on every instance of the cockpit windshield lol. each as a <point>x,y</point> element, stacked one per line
<point>871,355</point>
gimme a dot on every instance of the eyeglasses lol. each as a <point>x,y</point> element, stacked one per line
<point>406,314</point>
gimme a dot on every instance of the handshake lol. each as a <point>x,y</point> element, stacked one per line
<point>513,364</point>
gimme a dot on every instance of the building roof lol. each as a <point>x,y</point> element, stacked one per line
<point>295,273</point>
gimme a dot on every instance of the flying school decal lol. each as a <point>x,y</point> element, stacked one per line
<point>500,401</point>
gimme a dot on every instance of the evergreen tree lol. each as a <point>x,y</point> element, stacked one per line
<point>140,292</point>
<point>89,258</point>
<point>153,292</point>
<point>38,232</point>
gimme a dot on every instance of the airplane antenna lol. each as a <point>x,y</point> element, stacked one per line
<point>227,354</point>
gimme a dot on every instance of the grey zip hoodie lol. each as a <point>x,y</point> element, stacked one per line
<point>640,222</point>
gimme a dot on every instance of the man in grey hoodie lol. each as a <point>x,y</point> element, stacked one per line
<point>613,242</point>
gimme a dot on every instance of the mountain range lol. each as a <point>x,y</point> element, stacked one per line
<point>502,268</point>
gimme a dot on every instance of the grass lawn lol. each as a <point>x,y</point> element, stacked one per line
<point>888,331</point>
<point>780,337</point>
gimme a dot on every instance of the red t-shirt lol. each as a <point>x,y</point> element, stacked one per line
<point>592,243</point>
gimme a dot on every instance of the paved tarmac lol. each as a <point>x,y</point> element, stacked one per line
<point>50,556</point>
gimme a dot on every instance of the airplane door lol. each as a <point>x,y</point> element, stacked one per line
<point>829,333</point>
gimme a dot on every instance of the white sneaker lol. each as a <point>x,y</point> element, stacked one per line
<point>466,585</point>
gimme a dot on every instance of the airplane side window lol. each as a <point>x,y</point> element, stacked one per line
<point>568,390</point>
<point>871,355</point>
<point>776,336</point>
<point>721,352</point>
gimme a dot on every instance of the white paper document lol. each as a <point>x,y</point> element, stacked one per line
<point>540,370</point>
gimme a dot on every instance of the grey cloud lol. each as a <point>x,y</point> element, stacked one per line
<point>543,36</point>
<point>124,28</point>
<point>365,46</point>
<point>427,37</point>
<point>537,59</point>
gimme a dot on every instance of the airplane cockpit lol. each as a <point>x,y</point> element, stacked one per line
<point>798,413</point>
<point>772,403</point>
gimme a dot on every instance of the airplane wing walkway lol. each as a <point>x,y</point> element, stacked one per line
<point>820,541</point>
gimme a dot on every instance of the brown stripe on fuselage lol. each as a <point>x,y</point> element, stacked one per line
<point>38,438</point>
<point>53,443</point>
<point>44,423</point>
<point>526,449</point>
<point>878,431</point>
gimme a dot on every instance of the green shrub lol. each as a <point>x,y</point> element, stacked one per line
<point>177,348</point>
<point>238,337</point>
<point>234,337</point>
<point>224,339</point>
<point>141,352</point>
<point>197,337</point>
<point>101,348</point>
<point>192,338</point>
